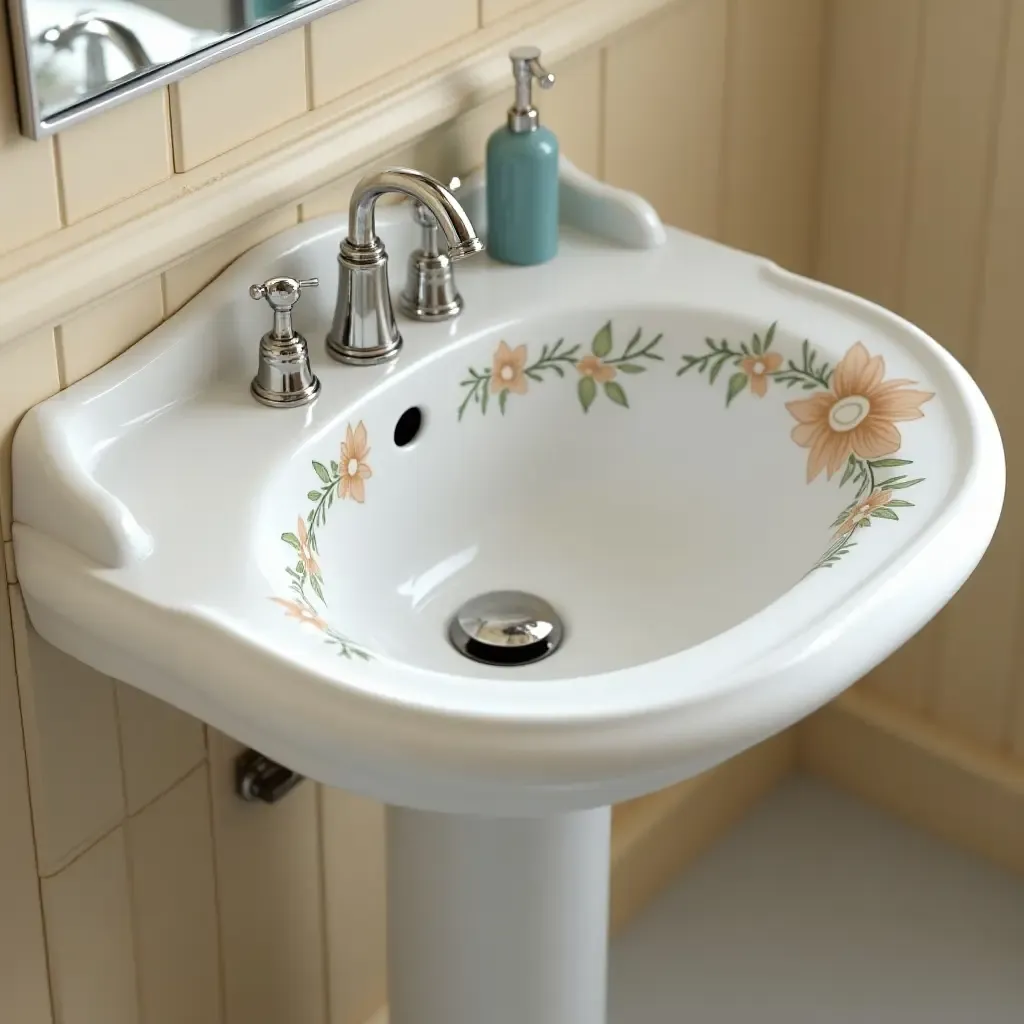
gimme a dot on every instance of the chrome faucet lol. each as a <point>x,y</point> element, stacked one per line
<point>364,331</point>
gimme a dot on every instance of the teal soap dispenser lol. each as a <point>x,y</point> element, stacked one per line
<point>522,174</point>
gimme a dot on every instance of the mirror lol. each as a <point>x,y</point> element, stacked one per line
<point>74,58</point>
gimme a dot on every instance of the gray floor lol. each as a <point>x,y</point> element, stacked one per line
<point>820,910</point>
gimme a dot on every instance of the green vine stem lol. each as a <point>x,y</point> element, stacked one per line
<point>346,648</point>
<point>324,499</point>
<point>810,374</point>
<point>559,360</point>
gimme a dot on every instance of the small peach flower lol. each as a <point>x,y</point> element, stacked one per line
<point>507,372</point>
<point>591,366</point>
<point>294,610</point>
<point>353,469</point>
<point>861,512</point>
<point>757,369</point>
<point>856,415</point>
<point>305,551</point>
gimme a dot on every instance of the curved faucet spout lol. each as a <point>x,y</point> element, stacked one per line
<point>364,331</point>
<point>440,201</point>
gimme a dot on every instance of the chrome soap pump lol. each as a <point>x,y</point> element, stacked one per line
<point>522,174</point>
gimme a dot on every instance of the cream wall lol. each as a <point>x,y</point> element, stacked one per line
<point>922,209</point>
<point>134,887</point>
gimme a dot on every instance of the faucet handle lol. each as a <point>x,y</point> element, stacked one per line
<point>282,292</point>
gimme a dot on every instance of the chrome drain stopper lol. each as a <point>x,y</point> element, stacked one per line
<point>506,627</point>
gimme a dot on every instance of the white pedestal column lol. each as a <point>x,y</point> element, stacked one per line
<point>498,920</point>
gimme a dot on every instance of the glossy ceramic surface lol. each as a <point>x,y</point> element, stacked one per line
<point>739,489</point>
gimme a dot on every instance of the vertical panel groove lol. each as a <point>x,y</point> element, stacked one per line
<point>912,158</point>
<point>996,115</point>
<point>727,108</point>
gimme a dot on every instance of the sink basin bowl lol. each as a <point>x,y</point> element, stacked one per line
<point>739,489</point>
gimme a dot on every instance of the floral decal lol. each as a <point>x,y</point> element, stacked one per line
<point>345,479</point>
<point>856,416</point>
<point>511,371</point>
<point>849,423</point>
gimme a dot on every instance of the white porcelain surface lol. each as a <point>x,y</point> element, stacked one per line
<point>675,536</point>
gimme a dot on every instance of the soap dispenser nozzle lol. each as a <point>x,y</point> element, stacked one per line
<point>526,66</point>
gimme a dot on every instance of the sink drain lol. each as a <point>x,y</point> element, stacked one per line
<point>506,627</point>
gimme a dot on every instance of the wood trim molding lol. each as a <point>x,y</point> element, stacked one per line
<point>919,770</point>
<point>42,283</point>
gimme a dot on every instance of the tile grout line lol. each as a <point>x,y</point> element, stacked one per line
<point>58,170</point>
<point>16,690</point>
<point>307,60</point>
<point>133,915</point>
<point>80,851</point>
<point>222,973</point>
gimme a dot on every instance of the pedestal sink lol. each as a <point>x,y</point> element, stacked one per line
<point>738,489</point>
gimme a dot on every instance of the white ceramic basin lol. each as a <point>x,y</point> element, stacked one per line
<point>740,489</point>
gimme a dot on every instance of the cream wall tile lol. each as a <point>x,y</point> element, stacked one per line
<point>89,938</point>
<point>772,129</point>
<point>159,744</point>
<point>91,339</point>
<point>492,10</point>
<point>28,374</point>
<point>572,109</point>
<point>354,894</point>
<point>29,207</point>
<point>71,740</point>
<point>188,278</point>
<point>872,56</point>
<point>663,128</point>
<point>459,146</point>
<point>980,655</point>
<point>115,155</point>
<point>242,97</point>
<point>334,198</point>
<point>24,985</point>
<point>170,848</point>
<point>271,899</point>
<point>389,35</point>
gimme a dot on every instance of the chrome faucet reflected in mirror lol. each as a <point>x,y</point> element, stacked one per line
<point>364,331</point>
<point>74,57</point>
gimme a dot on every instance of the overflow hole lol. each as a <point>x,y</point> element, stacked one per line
<point>408,427</point>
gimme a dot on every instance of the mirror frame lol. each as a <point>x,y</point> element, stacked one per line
<point>37,127</point>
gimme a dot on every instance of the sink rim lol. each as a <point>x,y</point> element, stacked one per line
<point>639,738</point>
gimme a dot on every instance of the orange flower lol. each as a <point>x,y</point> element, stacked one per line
<point>294,610</point>
<point>757,369</point>
<point>857,415</point>
<point>591,366</point>
<point>353,468</point>
<point>862,511</point>
<point>305,551</point>
<point>507,372</point>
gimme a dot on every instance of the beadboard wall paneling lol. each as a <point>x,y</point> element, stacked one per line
<point>922,209</point>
